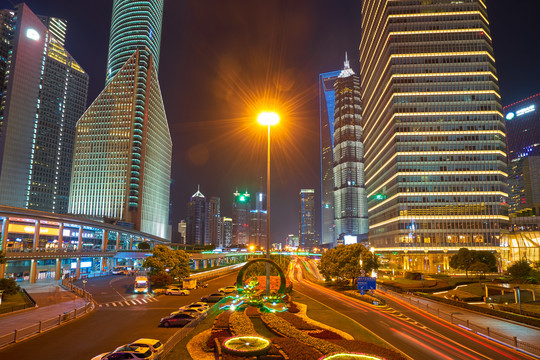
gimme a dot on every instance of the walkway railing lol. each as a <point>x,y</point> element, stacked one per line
<point>466,324</point>
<point>44,325</point>
<point>68,283</point>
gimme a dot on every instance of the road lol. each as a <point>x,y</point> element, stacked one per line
<point>416,335</point>
<point>109,326</point>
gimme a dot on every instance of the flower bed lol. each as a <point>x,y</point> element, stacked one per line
<point>222,320</point>
<point>252,311</point>
<point>325,334</point>
<point>297,321</point>
<point>368,348</point>
<point>366,298</point>
<point>217,334</point>
<point>292,308</point>
<point>240,324</point>
<point>283,327</point>
<point>296,350</point>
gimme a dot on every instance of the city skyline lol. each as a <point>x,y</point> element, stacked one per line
<point>196,155</point>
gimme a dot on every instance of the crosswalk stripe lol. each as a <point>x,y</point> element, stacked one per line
<point>128,304</point>
<point>144,300</point>
<point>113,304</point>
<point>133,302</point>
<point>121,304</point>
<point>100,305</point>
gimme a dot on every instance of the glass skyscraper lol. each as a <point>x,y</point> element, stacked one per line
<point>306,233</point>
<point>435,148</point>
<point>197,220</point>
<point>136,24</point>
<point>326,111</point>
<point>44,93</point>
<point>122,163</point>
<point>350,203</point>
<point>241,208</point>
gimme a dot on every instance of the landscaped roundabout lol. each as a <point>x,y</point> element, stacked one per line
<point>254,324</point>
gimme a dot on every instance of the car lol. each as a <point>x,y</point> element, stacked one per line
<point>227,289</point>
<point>193,312</point>
<point>138,353</point>
<point>180,319</point>
<point>143,352</point>
<point>215,297</point>
<point>196,305</point>
<point>155,345</point>
<point>176,291</point>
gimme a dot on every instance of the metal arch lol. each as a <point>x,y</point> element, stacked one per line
<point>240,277</point>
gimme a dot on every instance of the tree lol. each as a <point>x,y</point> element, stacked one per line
<point>9,286</point>
<point>143,246</point>
<point>164,260</point>
<point>463,260</point>
<point>520,270</point>
<point>487,257</point>
<point>161,280</point>
<point>480,267</point>
<point>3,258</point>
<point>344,262</point>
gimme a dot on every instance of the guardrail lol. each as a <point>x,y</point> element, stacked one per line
<point>44,325</point>
<point>68,283</point>
<point>216,272</point>
<point>508,340</point>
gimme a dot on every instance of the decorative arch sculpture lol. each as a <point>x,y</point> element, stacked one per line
<point>240,277</point>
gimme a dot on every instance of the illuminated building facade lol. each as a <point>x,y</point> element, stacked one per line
<point>257,222</point>
<point>214,218</point>
<point>241,208</point>
<point>123,148</point>
<point>57,27</point>
<point>226,232</point>
<point>435,147</point>
<point>43,95</point>
<point>196,221</point>
<point>135,24</point>
<point>306,233</point>
<point>326,112</point>
<point>523,141</point>
<point>350,203</point>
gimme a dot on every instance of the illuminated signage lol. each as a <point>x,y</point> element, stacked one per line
<point>510,116</point>
<point>349,239</point>
<point>84,264</point>
<point>27,229</point>
<point>526,110</point>
<point>32,34</point>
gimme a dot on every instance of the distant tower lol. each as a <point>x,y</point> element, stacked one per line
<point>240,218</point>
<point>306,233</point>
<point>214,216</point>
<point>124,136</point>
<point>226,232</point>
<point>257,225</point>
<point>196,219</point>
<point>326,111</point>
<point>44,93</point>
<point>350,201</point>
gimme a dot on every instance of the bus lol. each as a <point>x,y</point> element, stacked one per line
<point>141,285</point>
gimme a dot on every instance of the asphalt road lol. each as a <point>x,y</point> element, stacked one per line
<point>109,326</point>
<point>413,333</point>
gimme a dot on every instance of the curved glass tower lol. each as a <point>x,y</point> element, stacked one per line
<point>135,24</point>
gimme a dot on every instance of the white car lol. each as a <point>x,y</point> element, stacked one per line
<point>127,354</point>
<point>155,345</point>
<point>227,289</point>
<point>176,291</point>
<point>196,305</point>
<point>192,312</point>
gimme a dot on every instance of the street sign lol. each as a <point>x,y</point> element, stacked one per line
<point>366,283</point>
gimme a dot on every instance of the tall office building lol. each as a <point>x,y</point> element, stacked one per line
<point>44,93</point>
<point>57,27</point>
<point>213,220</point>
<point>196,220</point>
<point>350,202</point>
<point>226,232</point>
<point>123,148</point>
<point>326,113</point>
<point>240,218</point>
<point>523,141</point>
<point>257,222</point>
<point>306,233</point>
<point>435,153</point>
<point>135,25</point>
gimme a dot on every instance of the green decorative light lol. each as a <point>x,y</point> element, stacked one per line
<point>246,345</point>
<point>350,356</point>
<point>380,197</point>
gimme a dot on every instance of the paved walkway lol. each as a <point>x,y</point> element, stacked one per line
<point>52,300</point>
<point>477,321</point>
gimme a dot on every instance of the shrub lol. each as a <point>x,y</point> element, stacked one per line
<point>222,320</point>
<point>217,334</point>
<point>295,349</point>
<point>240,324</point>
<point>297,321</point>
<point>368,348</point>
<point>366,298</point>
<point>325,334</point>
<point>9,286</point>
<point>143,246</point>
<point>161,280</point>
<point>283,327</point>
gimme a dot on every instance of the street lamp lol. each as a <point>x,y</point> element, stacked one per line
<point>268,119</point>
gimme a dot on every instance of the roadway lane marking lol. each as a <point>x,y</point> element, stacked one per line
<point>128,304</point>
<point>133,302</point>
<point>113,304</point>
<point>144,300</point>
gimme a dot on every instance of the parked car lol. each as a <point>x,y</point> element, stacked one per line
<point>196,305</point>
<point>146,352</point>
<point>193,312</point>
<point>155,345</point>
<point>179,319</point>
<point>227,289</point>
<point>215,297</point>
<point>176,291</point>
<point>138,353</point>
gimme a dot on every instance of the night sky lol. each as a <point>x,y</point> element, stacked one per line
<point>224,61</point>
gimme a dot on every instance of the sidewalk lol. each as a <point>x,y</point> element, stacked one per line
<point>51,299</point>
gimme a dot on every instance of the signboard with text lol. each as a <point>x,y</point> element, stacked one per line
<point>366,283</point>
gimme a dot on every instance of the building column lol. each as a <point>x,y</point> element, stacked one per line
<point>102,263</point>
<point>58,271</point>
<point>60,244</point>
<point>196,264</point>
<point>78,269</point>
<point>5,232</point>
<point>3,270</point>
<point>80,239</point>
<point>36,236</point>
<point>33,271</point>
<point>118,237</point>
<point>105,240</point>
<point>130,242</point>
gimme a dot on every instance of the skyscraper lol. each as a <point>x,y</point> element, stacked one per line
<point>306,233</point>
<point>226,232</point>
<point>196,220</point>
<point>240,218</point>
<point>350,202</point>
<point>57,27</point>
<point>123,148</point>
<point>326,112</point>
<point>135,25</point>
<point>43,95</point>
<point>435,153</point>
<point>213,220</point>
<point>257,221</point>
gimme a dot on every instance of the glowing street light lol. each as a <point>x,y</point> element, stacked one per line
<point>268,119</point>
